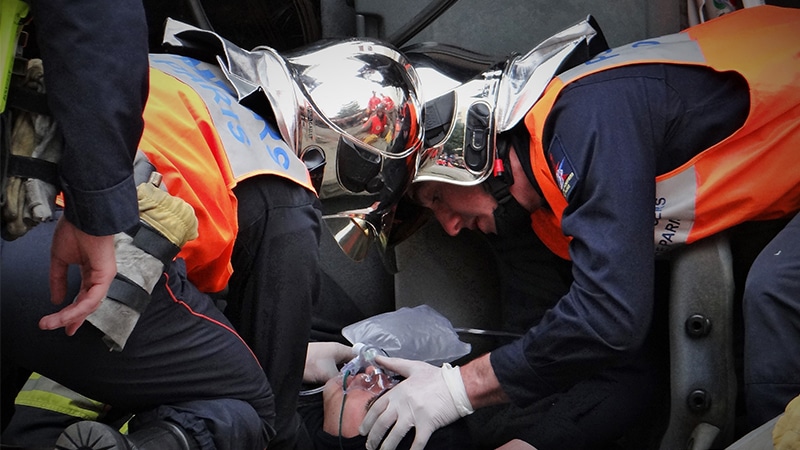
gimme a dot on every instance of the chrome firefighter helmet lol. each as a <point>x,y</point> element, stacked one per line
<point>359,104</point>
<point>472,103</point>
<point>463,122</point>
<point>351,111</point>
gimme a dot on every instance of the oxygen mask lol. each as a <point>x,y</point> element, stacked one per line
<point>363,373</point>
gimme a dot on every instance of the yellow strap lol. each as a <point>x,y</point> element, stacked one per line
<point>44,393</point>
<point>11,14</point>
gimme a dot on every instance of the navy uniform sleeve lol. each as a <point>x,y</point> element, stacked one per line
<point>96,72</point>
<point>608,137</point>
<point>601,142</point>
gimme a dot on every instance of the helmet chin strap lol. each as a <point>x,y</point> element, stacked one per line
<point>509,215</point>
<point>499,185</point>
<point>499,182</point>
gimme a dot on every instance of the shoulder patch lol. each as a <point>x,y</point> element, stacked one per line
<point>561,167</point>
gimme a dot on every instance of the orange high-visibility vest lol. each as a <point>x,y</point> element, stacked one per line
<point>203,142</point>
<point>751,175</point>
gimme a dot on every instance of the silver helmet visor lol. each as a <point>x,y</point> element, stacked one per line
<point>359,105</point>
<point>361,90</point>
<point>463,155</point>
<point>490,104</point>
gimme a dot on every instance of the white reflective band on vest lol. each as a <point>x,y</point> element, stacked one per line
<point>671,48</point>
<point>251,143</point>
<point>675,210</point>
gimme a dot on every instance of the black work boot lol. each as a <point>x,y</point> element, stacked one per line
<point>161,435</point>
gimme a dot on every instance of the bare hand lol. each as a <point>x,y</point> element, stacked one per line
<point>96,259</point>
<point>516,444</point>
<point>323,360</point>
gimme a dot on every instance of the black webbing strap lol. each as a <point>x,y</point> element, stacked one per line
<point>125,291</point>
<point>26,167</point>
<point>155,244</point>
<point>27,100</point>
<point>23,166</point>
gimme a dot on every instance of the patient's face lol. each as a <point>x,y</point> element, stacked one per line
<point>362,390</point>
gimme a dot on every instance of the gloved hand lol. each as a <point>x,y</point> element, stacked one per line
<point>171,216</point>
<point>174,220</point>
<point>323,360</point>
<point>429,398</point>
<point>786,434</point>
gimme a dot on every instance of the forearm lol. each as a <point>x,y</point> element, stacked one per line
<point>483,387</point>
<point>96,73</point>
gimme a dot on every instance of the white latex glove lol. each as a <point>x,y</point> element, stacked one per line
<point>323,360</point>
<point>428,399</point>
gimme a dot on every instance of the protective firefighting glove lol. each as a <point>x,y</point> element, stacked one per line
<point>428,399</point>
<point>35,138</point>
<point>786,434</point>
<point>166,224</point>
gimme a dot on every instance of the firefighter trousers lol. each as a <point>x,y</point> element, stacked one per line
<point>183,360</point>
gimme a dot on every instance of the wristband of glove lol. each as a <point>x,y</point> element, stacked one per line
<point>166,224</point>
<point>454,383</point>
